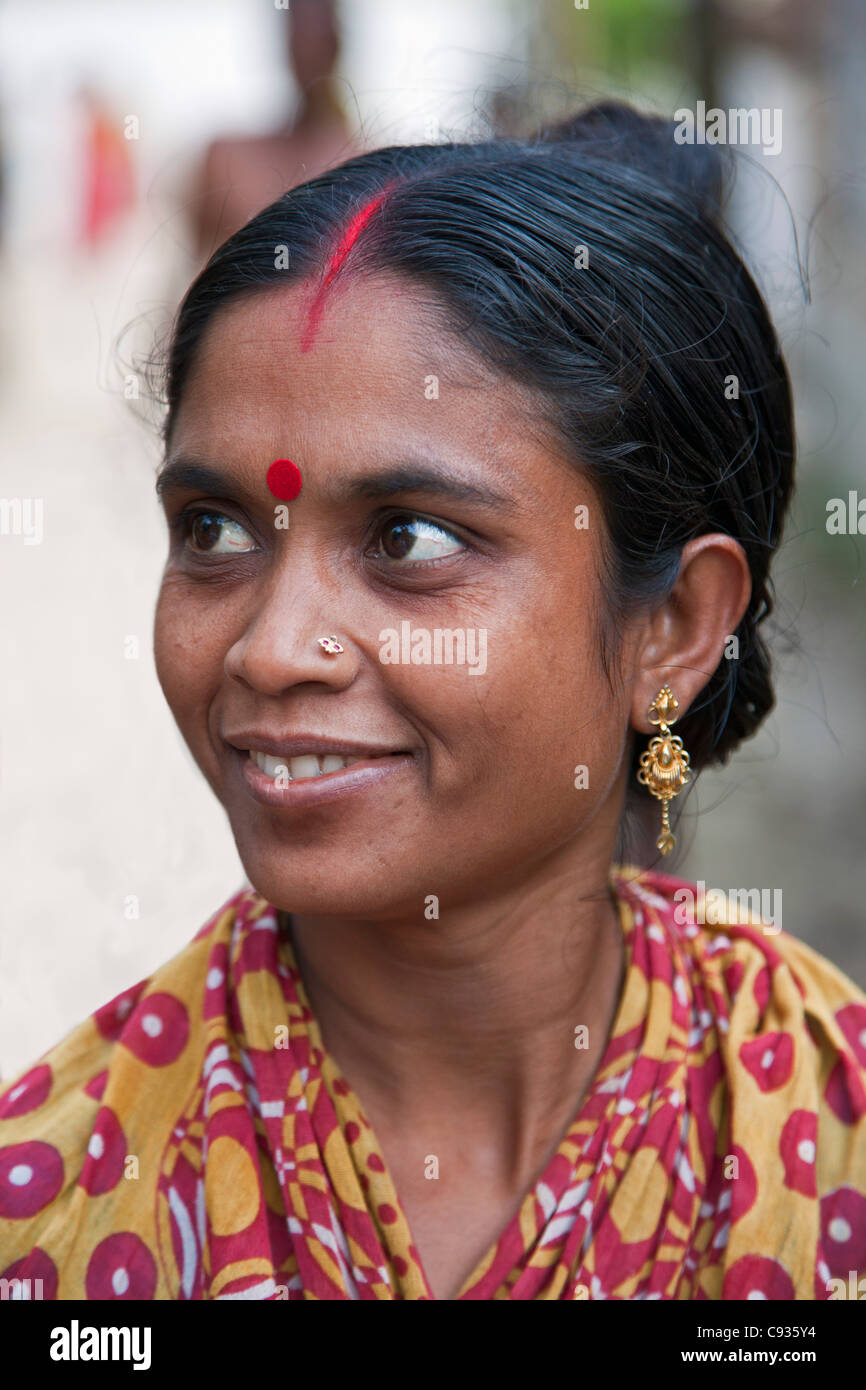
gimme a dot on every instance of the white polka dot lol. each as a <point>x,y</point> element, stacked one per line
<point>806,1150</point>
<point>152,1025</point>
<point>120,1281</point>
<point>721,1237</point>
<point>215,978</point>
<point>18,1091</point>
<point>656,934</point>
<point>96,1147</point>
<point>124,1007</point>
<point>767,1059</point>
<point>756,1293</point>
<point>839,1229</point>
<point>863,1037</point>
<point>20,1175</point>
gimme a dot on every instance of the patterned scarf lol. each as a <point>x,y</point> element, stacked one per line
<point>193,1139</point>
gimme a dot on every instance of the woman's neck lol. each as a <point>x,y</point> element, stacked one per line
<point>319,105</point>
<point>495,1016</point>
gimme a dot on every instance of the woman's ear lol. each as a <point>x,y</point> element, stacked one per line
<point>685,638</point>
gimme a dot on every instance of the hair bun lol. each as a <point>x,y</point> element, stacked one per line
<point>646,143</point>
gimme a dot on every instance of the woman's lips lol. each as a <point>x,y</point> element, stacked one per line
<point>307,787</point>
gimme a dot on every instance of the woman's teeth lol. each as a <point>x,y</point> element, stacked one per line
<point>301,767</point>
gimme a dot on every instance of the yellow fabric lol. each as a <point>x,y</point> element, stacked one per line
<point>194,1140</point>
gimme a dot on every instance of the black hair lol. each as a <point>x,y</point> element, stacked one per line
<point>652,350</point>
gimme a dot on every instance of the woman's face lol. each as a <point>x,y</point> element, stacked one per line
<point>430,505</point>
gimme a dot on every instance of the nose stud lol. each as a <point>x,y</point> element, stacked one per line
<point>330,644</point>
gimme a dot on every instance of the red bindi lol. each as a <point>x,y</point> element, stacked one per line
<point>284,479</point>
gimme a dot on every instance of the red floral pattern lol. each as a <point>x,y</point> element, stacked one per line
<point>193,1139</point>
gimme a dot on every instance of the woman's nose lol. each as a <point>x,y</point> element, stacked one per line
<point>280,645</point>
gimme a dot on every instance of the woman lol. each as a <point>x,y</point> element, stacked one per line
<point>464,511</point>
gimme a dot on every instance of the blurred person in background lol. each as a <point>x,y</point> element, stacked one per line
<point>240,176</point>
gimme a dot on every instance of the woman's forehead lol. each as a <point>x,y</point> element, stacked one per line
<point>366,322</point>
<point>381,369</point>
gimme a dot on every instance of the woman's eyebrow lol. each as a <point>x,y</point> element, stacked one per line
<point>186,474</point>
<point>415,477</point>
<point>183,474</point>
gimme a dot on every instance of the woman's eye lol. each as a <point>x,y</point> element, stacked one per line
<point>417,540</point>
<point>215,534</point>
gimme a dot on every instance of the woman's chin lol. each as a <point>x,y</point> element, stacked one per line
<point>333,888</point>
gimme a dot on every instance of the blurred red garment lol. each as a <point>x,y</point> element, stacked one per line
<point>109,181</point>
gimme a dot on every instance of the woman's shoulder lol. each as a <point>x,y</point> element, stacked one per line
<point>736,935</point>
<point>767,1039</point>
<point>60,1135</point>
<point>150,1019</point>
<point>783,1011</point>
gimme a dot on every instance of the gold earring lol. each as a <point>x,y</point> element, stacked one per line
<point>665,766</point>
